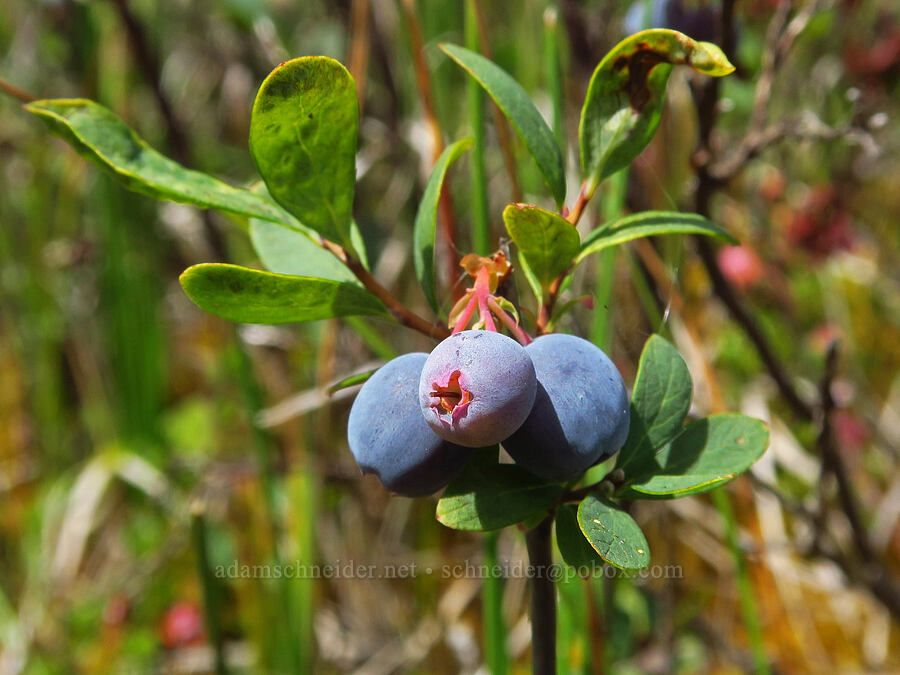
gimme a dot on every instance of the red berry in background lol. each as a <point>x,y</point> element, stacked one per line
<point>821,337</point>
<point>822,227</point>
<point>849,430</point>
<point>772,185</point>
<point>740,265</point>
<point>873,59</point>
<point>117,609</point>
<point>182,625</point>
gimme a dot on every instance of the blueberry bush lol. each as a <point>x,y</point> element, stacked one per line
<point>575,447</point>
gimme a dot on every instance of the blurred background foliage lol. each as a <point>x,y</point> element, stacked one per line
<point>143,442</point>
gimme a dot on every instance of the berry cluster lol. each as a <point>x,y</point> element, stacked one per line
<point>558,405</point>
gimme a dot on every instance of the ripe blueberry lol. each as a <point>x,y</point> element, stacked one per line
<point>389,438</point>
<point>581,412</point>
<point>477,387</point>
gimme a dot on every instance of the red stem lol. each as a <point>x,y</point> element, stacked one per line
<point>508,321</point>
<point>436,330</point>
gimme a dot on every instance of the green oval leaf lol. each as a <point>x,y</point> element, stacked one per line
<point>613,533</point>
<point>252,296</point>
<point>294,250</point>
<point>659,403</point>
<point>547,241</point>
<point>426,220</point>
<point>97,134</point>
<point>649,224</point>
<point>575,549</point>
<point>624,100</point>
<point>285,251</point>
<point>519,109</point>
<point>491,496</point>
<point>708,453</point>
<point>303,134</point>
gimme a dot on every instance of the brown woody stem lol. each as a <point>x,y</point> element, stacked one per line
<point>436,330</point>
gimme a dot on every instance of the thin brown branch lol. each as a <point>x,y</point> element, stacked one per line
<point>834,463</point>
<point>436,330</point>
<point>545,312</point>
<point>574,215</point>
<point>706,99</point>
<point>809,128</point>
<point>732,300</point>
<point>772,57</point>
<point>15,92</point>
<point>865,568</point>
<point>781,34</point>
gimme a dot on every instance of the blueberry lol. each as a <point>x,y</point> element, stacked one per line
<point>389,438</point>
<point>581,412</point>
<point>477,387</point>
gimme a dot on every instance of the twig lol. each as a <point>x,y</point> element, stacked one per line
<point>545,312</point>
<point>730,298</point>
<point>436,330</point>
<point>834,463</point>
<point>15,92</point>
<point>543,598</point>
<point>868,570</point>
<point>706,98</point>
<point>780,37</point>
<point>772,58</point>
<point>574,215</point>
<point>809,128</point>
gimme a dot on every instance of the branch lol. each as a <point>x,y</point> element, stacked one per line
<point>706,98</point>
<point>867,570</point>
<point>875,578</point>
<point>833,463</point>
<point>436,330</point>
<point>732,300</point>
<point>809,128</point>
<point>15,92</point>
<point>545,312</point>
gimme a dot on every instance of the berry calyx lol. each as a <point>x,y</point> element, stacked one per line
<point>488,273</point>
